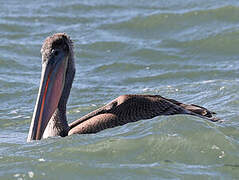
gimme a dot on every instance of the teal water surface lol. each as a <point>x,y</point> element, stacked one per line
<point>182,49</point>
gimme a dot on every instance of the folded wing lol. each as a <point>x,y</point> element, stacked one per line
<point>131,108</point>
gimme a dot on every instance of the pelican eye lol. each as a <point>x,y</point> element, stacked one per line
<point>55,52</point>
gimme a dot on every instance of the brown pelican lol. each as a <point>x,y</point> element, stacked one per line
<point>58,70</point>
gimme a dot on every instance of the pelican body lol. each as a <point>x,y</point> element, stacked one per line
<point>58,70</point>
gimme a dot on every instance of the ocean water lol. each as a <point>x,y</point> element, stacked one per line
<point>182,49</point>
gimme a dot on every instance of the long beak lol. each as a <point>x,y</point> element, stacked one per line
<point>51,87</point>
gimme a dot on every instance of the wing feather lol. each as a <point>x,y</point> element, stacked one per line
<point>131,108</point>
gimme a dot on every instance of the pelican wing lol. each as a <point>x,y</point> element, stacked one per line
<point>131,108</point>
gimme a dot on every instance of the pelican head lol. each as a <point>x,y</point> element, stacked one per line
<point>56,79</point>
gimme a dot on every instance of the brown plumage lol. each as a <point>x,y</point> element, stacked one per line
<point>50,120</point>
<point>131,108</point>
